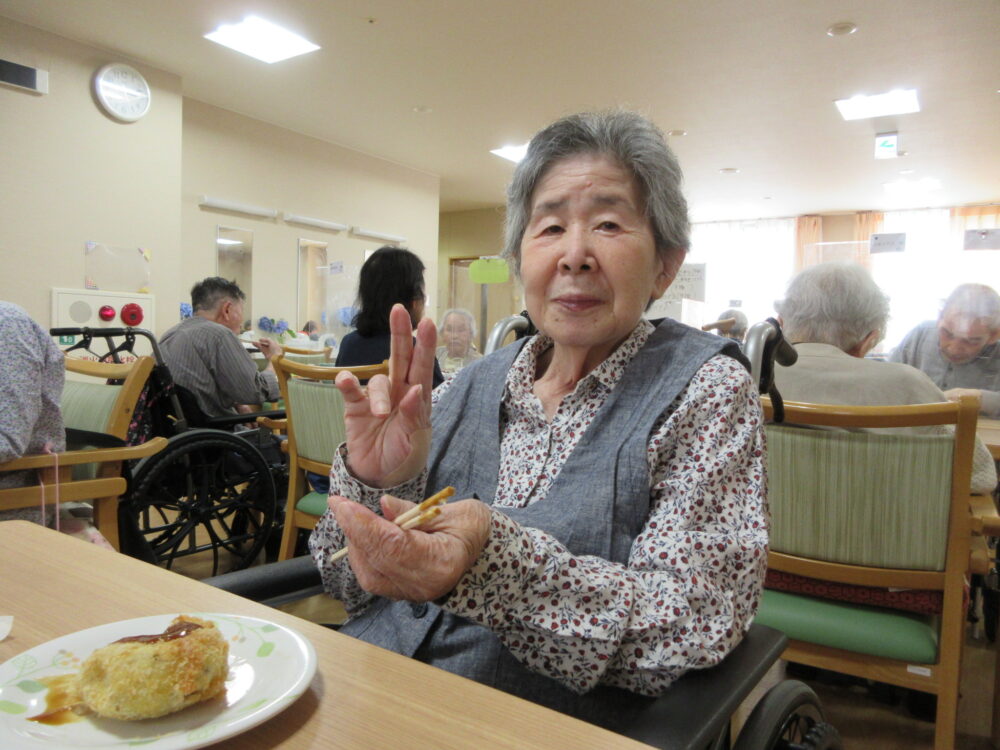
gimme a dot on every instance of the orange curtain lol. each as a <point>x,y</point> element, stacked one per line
<point>808,232</point>
<point>866,223</point>
<point>975,217</point>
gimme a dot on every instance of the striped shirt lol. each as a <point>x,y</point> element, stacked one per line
<point>208,360</point>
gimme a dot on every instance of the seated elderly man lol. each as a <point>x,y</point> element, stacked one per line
<point>834,314</point>
<point>959,352</point>
<point>613,531</point>
<point>457,332</point>
<point>205,356</point>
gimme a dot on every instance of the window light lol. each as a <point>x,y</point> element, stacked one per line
<point>261,39</point>
<point>895,102</point>
<point>511,153</point>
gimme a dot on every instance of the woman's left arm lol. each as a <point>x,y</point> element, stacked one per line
<point>694,575</point>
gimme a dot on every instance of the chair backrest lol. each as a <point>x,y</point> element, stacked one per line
<point>294,352</point>
<point>867,499</point>
<point>313,358</point>
<point>96,405</point>
<point>314,406</point>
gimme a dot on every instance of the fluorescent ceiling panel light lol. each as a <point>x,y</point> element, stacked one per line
<point>261,39</point>
<point>361,232</point>
<point>227,241</point>
<point>511,153</point>
<point>895,102</point>
<point>908,188</point>
<point>240,208</point>
<point>886,145</point>
<point>311,222</point>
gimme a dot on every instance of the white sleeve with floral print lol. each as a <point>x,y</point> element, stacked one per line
<point>694,575</point>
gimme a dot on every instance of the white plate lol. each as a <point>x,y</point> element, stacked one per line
<point>270,666</point>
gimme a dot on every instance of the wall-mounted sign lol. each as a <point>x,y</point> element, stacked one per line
<point>982,239</point>
<point>894,242</point>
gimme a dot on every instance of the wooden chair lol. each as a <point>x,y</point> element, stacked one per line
<point>877,510</point>
<point>307,356</point>
<point>315,424</point>
<point>92,410</point>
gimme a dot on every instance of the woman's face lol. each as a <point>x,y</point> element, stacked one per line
<point>588,259</point>
<point>456,335</point>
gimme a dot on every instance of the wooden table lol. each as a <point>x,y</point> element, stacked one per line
<point>988,431</point>
<point>361,697</point>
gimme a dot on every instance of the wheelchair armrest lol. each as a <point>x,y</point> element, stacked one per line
<point>222,423</point>
<point>78,439</point>
<point>697,707</point>
<point>273,583</point>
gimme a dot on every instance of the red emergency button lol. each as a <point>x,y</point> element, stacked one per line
<point>106,313</point>
<point>132,314</point>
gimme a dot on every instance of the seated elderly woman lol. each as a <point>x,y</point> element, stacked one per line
<point>613,533</point>
<point>457,332</point>
<point>834,314</point>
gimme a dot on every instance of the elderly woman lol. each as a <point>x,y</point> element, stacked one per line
<point>457,332</point>
<point>834,314</point>
<point>613,534</point>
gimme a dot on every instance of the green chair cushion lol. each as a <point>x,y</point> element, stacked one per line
<point>853,627</point>
<point>86,406</point>
<point>317,412</point>
<point>849,496</point>
<point>313,503</point>
<point>319,358</point>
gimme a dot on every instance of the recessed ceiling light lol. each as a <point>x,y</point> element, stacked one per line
<point>908,188</point>
<point>227,241</point>
<point>511,153</point>
<point>677,132</point>
<point>261,39</point>
<point>895,102</point>
<point>422,109</point>
<point>844,28</point>
<point>730,170</point>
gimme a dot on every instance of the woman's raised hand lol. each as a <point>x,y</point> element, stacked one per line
<point>389,427</point>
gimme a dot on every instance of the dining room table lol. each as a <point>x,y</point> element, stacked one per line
<point>360,696</point>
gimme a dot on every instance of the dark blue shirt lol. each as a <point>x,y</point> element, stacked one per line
<point>356,350</point>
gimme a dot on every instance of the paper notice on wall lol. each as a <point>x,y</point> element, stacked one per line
<point>689,284</point>
<point>116,269</point>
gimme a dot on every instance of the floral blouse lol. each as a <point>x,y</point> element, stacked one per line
<point>694,574</point>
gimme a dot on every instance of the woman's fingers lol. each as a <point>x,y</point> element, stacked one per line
<point>421,369</point>
<point>401,346</point>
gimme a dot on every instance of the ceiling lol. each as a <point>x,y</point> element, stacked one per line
<point>752,83</point>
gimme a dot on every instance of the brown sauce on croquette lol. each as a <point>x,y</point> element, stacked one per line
<point>176,630</point>
<point>60,701</point>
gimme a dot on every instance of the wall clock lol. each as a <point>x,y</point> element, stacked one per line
<point>122,92</point>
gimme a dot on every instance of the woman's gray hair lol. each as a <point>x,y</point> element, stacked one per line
<point>461,312</point>
<point>833,303</point>
<point>976,302</point>
<point>633,142</point>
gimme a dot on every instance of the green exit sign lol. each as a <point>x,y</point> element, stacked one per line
<point>67,339</point>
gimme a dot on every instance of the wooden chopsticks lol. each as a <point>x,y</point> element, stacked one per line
<point>414,517</point>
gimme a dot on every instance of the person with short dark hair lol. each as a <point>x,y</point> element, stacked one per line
<point>392,275</point>
<point>205,356</point>
<point>959,351</point>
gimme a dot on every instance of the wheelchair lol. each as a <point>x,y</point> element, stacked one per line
<point>695,713</point>
<point>210,490</point>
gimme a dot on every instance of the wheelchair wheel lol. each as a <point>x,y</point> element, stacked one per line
<point>788,717</point>
<point>208,491</point>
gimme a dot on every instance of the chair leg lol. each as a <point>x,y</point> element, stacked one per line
<point>289,536</point>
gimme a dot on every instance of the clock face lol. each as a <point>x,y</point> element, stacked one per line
<point>122,91</point>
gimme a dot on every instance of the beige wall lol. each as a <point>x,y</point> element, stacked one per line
<point>69,174</point>
<point>230,156</point>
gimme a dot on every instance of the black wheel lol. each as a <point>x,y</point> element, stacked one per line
<point>788,717</point>
<point>208,492</point>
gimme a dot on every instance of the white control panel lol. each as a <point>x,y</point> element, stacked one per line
<point>92,308</point>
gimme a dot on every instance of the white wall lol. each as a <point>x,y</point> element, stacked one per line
<point>69,173</point>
